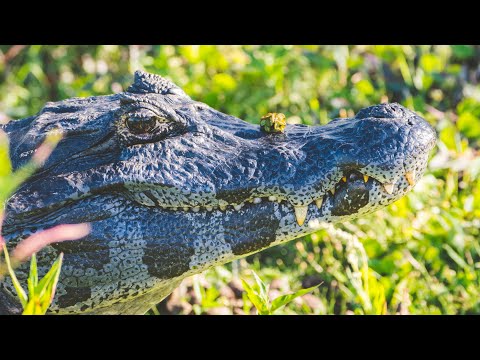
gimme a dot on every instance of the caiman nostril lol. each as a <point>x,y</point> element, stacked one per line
<point>385,111</point>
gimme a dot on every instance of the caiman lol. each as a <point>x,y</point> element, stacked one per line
<point>172,187</point>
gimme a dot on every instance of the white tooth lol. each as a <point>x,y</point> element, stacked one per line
<point>185,208</point>
<point>319,202</point>
<point>410,175</point>
<point>196,209</point>
<point>223,207</point>
<point>174,208</point>
<point>301,214</point>
<point>209,208</point>
<point>238,207</point>
<point>332,190</point>
<point>272,198</point>
<point>257,200</point>
<point>388,188</point>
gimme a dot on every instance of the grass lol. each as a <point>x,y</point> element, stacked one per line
<point>421,255</point>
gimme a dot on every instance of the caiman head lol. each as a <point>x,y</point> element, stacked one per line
<point>172,187</point>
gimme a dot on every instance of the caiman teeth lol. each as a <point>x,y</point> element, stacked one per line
<point>238,207</point>
<point>344,178</point>
<point>410,175</point>
<point>301,214</point>
<point>332,190</point>
<point>257,200</point>
<point>319,202</point>
<point>388,188</point>
<point>272,198</point>
<point>365,178</point>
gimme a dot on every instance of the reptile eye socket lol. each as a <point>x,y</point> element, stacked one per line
<point>142,124</point>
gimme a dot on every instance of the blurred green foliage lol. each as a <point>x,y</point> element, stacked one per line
<point>421,255</point>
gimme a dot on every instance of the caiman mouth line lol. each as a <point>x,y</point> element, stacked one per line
<point>150,199</point>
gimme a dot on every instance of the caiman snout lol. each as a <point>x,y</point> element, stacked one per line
<point>356,165</point>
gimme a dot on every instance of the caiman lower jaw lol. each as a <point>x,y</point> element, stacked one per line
<point>301,211</point>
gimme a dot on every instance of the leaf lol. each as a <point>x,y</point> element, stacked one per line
<point>469,124</point>
<point>6,167</point>
<point>256,300</point>
<point>285,299</point>
<point>198,290</point>
<point>44,292</point>
<point>365,87</point>
<point>29,309</point>
<point>376,293</point>
<point>463,51</point>
<point>430,63</point>
<point>32,276</point>
<point>55,280</point>
<point>18,288</point>
<point>262,288</point>
<point>43,289</point>
<point>455,257</point>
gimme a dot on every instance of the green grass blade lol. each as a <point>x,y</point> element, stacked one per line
<point>6,168</point>
<point>29,308</point>
<point>285,299</point>
<point>18,288</point>
<point>32,276</point>
<point>455,257</point>
<point>261,288</point>
<point>47,299</point>
<point>50,277</point>
<point>254,297</point>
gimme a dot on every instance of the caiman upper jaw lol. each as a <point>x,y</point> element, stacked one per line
<point>301,211</point>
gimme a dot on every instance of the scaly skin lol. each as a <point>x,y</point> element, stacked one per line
<point>172,187</point>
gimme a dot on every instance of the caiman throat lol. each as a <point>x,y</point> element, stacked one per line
<point>172,187</point>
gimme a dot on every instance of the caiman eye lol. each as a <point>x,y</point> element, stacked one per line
<point>143,124</point>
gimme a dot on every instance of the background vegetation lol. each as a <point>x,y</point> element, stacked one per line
<point>420,255</point>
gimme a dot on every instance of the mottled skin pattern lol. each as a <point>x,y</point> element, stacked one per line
<point>172,187</point>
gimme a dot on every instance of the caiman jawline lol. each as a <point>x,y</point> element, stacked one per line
<point>148,199</point>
